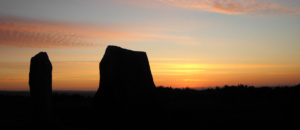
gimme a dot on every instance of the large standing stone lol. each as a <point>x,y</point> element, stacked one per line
<point>125,76</point>
<point>126,86</point>
<point>40,84</point>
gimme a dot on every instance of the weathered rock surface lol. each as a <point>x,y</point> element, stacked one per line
<point>40,84</point>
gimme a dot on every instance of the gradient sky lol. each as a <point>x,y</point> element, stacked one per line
<point>190,43</point>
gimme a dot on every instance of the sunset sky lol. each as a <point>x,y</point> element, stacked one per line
<point>189,43</point>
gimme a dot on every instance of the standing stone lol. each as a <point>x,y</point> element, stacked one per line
<point>40,84</point>
<point>125,76</point>
<point>126,89</point>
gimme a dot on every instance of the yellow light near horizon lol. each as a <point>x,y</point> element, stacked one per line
<point>85,75</point>
<point>198,75</point>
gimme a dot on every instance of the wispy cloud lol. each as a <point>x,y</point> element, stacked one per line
<point>36,34</point>
<point>26,33</point>
<point>230,6</point>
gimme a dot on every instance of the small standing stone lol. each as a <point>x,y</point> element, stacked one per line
<point>40,84</point>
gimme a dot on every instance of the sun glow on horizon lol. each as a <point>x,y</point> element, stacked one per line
<point>85,75</point>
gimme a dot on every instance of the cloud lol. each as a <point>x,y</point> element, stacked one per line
<point>26,33</point>
<point>37,34</point>
<point>230,6</point>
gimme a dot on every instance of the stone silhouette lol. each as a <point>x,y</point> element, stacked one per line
<point>126,90</point>
<point>125,76</point>
<point>40,84</point>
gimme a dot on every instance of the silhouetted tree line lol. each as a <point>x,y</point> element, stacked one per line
<point>239,93</point>
<point>179,108</point>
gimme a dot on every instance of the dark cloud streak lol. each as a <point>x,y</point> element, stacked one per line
<point>33,34</point>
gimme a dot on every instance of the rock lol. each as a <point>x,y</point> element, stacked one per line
<point>125,76</point>
<point>126,91</point>
<point>40,84</point>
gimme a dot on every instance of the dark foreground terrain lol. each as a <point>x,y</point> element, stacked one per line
<point>231,107</point>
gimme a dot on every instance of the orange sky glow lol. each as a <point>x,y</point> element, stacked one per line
<point>85,75</point>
